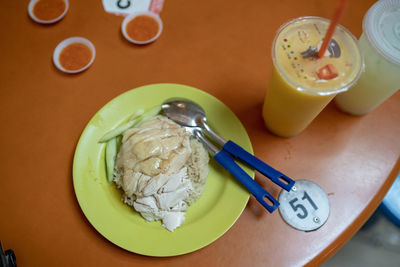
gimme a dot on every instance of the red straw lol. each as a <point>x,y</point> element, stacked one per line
<point>332,26</point>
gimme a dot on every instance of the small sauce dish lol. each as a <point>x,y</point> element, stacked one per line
<point>47,11</point>
<point>142,28</point>
<point>74,55</point>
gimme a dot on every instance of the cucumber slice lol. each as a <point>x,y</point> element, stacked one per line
<point>117,131</point>
<point>111,153</point>
<point>148,114</point>
<point>136,118</point>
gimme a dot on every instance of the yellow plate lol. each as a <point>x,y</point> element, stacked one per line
<point>211,216</point>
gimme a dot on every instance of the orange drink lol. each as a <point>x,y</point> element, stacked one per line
<point>302,84</point>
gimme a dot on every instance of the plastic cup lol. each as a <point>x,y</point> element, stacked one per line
<point>380,46</point>
<point>301,84</point>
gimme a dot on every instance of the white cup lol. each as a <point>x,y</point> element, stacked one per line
<point>380,47</point>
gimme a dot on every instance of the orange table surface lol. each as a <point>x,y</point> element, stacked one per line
<point>221,47</point>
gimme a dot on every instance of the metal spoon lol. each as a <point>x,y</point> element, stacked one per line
<point>189,114</point>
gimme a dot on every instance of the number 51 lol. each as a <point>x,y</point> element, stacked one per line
<point>304,213</point>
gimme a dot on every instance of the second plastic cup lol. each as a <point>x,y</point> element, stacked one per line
<point>301,84</point>
<point>380,46</point>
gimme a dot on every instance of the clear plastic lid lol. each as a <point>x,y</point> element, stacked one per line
<point>293,55</point>
<point>381,25</point>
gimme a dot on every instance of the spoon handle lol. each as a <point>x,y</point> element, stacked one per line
<point>274,175</point>
<point>218,139</point>
<point>252,186</point>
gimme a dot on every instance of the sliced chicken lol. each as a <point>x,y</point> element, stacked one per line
<point>157,171</point>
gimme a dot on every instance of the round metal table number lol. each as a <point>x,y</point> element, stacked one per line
<point>305,207</point>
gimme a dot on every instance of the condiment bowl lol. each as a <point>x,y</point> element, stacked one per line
<point>31,6</point>
<point>65,43</point>
<point>131,17</point>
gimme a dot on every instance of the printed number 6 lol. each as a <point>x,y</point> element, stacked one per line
<point>298,206</point>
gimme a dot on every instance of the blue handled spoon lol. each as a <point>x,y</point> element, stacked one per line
<point>193,117</point>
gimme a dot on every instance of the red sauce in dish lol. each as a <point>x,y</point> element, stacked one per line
<point>142,28</point>
<point>75,56</point>
<point>48,9</point>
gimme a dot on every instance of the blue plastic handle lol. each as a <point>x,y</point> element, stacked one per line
<point>260,193</point>
<point>275,176</point>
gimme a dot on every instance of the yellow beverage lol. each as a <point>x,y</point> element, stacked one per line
<point>301,84</point>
